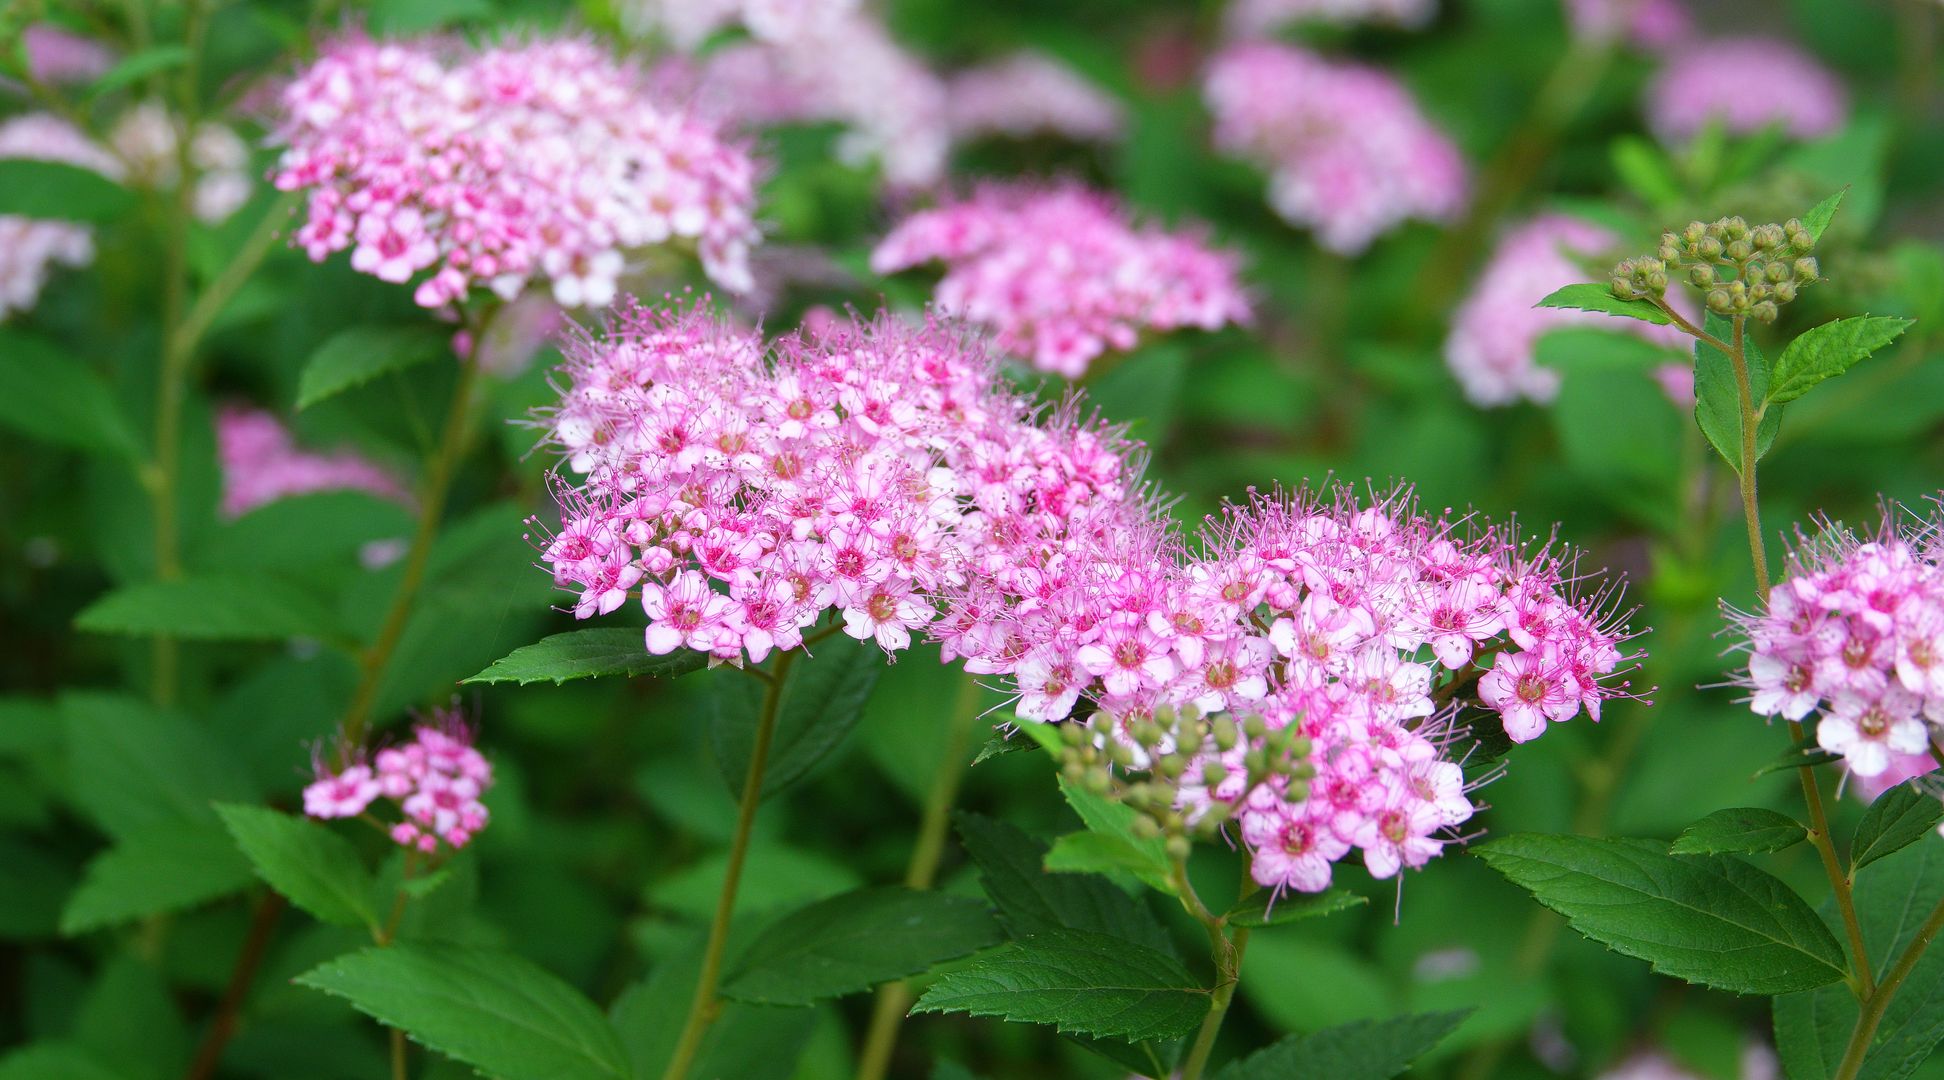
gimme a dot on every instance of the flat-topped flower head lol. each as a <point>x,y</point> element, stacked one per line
<point>435,782</point>
<point>1493,333</point>
<point>1746,85</point>
<point>1853,637</point>
<point>261,464</point>
<point>1062,274</point>
<point>1026,94</point>
<point>1350,154</point>
<point>30,248</point>
<point>504,165</point>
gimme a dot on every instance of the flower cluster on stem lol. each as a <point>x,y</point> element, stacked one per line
<point>436,781</point>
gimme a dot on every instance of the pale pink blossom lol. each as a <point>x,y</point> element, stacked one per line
<point>1746,85</point>
<point>437,781</point>
<point>1027,94</point>
<point>31,248</point>
<point>261,464</point>
<point>1261,18</point>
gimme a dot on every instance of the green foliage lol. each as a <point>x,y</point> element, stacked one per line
<point>822,700</point>
<point>1110,845</point>
<point>492,1010</point>
<point>1262,908</point>
<point>1599,298</point>
<point>164,867</point>
<point>313,867</point>
<point>58,398</point>
<point>1898,818</point>
<point>856,941</point>
<point>1739,829</point>
<point>1030,900</point>
<point>1820,215</point>
<point>1075,981</point>
<point>360,354</point>
<point>1717,395</point>
<point>748,1042</point>
<point>212,608</point>
<point>1829,350</point>
<point>1365,1050</point>
<point>32,188</point>
<point>132,767</point>
<point>588,654</point>
<point>1709,919</point>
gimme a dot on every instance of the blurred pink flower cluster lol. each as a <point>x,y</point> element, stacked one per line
<point>1745,85</point>
<point>261,464</point>
<point>1494,331</point>
<point>687,24</point>
<point>1027,94</point>
<point>885,473</point>
<point>1259,18</point>
<point>1061,275</point>
<point>1853,635</point>
<point>30,248</point>
<point>437,779</point>
<point>1652,25</point>
<point>1350,154</point>
<point>144,138</point>
<point>56,55</point>
<point>504,164</point>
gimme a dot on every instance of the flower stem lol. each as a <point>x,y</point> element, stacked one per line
<point>432,499</point>
<point>894,999</point>
<point>247,962</point>
<point>1226,950</point>
<point>705,1005</point>
<point>1878,1002</point>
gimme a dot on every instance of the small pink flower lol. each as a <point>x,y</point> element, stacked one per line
<point>344,795</point>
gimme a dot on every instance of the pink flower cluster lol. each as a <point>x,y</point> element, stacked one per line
<point>1061,275</point>
<point>31,248</point>
<point>848,71</point>
<point>1365,625</point>
<point>1745,85</point>
<point>261,464</point>
<point>689,23</point>
<point>438,780</point>
<point>144,138</point>
<point>1652,25</point>
<point>1853,634</point>
<point>1027,94</point>
<point>1350,154</point>
<point>1260,18</point>
<point>55,55</point>
<point>861,470</point>
<point>504,164</point>
<point>1493,333</point>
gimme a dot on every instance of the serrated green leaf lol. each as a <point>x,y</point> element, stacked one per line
<point>1363,1050</point>
<point>313,867</point>
<point>1740,828</point>
<point>1804,752</point>
<point>1813,1029</point>
<point>999,744</point>
<point>1643,166</point>
<point>589,654</point>
<point>1032,901</point>
<point>1898,818</point>
<point>59,191</point>
<point>500,1013</point>
<point>132,767</point>
<point>1826,351</point>
<point>1717,395</point>
<point>1820,215</point>
<point>855,941</point>
<point>163,868</point>
<point>823,699</point>
<point>1091,984</point>
<point>360,354</point>
<point>1263,908</point>
<point>1145,858</point>
<point>56,398</point>
<point>1590,297</point>
<point>211,608</point>
<point>141,65</point>
<point>1709,919</point>
<point>1104,853</point>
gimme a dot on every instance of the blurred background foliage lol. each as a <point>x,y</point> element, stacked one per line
<point>610,814</point>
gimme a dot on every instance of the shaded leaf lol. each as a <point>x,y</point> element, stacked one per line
<point>1146,858</point>
<point>855,941</point>
<point>822,700</point>
<point>746,1042</point>
<point>589,654</point>
<point>164,868</point>
<point>497,1012</point>
<point>1032,901</point>
<point>1717,395</point>
<point>1741,828</point>
<point>1363,1050</point>
<point>132,69</point>
<point>1898,818</point>
<point>59,191</point>
<point>313,867</point>
<point>57,398</point>
<point>1826,351</point>
<point>1105,853</point>
<point>1263,908</point>
<point>360,354</point>
<point>1804,752</point>
<point>132,766</point>
<point>212,608</point>
<point>1076,982</point>
<point>1600,298</point>
<point>1709,919</point>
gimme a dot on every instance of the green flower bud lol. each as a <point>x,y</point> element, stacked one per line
<point>1213,773</point>
<point>1709,247</point>
<point>1701,275</point>
<point>1784,291</point>
<point>1670,250</point>
<point>1303,771</point>
<point>1098,781</point>
<point>1693,232</point>
<point>1297,791</point>
<point>1256,761</point>
<point>1657,282</point>
<point>1739,250</point>
<point>1776,272</point>
<point>1806,271</point>
<point>1073,734</point>
<point>1765,311</point>
<point>1734,228</point>
<point>1299,745</point>
<point>1254,727</point>
<point>1178,847</point>
<point>1073,772</point>
<point>1624,289</point>
<point>1225,733</point>
<point>1145,828</point>
<point>1120,755</point>
<point>1720,302</point>
<point>1769,237</point>
<point>1172,766</point>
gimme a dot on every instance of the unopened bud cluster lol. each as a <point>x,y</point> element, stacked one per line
<point>1184,773</point>
<point>1742,269</point>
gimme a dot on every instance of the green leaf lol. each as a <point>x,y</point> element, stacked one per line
<point>135,68</point>
<point>999,744</point>
<point>1032,901</point>
<point>855,941</point>
<point>1812,1029</point>
<point>497,1012</point>
<point>1826,351</point>
<point>746,1042</point>
<point>589,654</point>
<point>132,767</point>
<point>1820,215</point>
<point>1570,349</point>
<point>1741,828</point>
<point>55,1061</point>
<point>59,191</point>
<point>822,700</point>
<point>1076,982</point>
<point>1363,1050</point>
<point>1600,298</point>
<point>55,397</point>
<point>1643,167</point>
<point>211,608</point>
<point>1709,919</point>
<point>1263,908</point>
<point>163,868</point>
<point>299,532</point>
<point>356,356</point>
<point>1717,395</point>
<point>313,867</point>
<point>1898,818</point>
<point>1146,858</point>
<point>1805,752</point>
